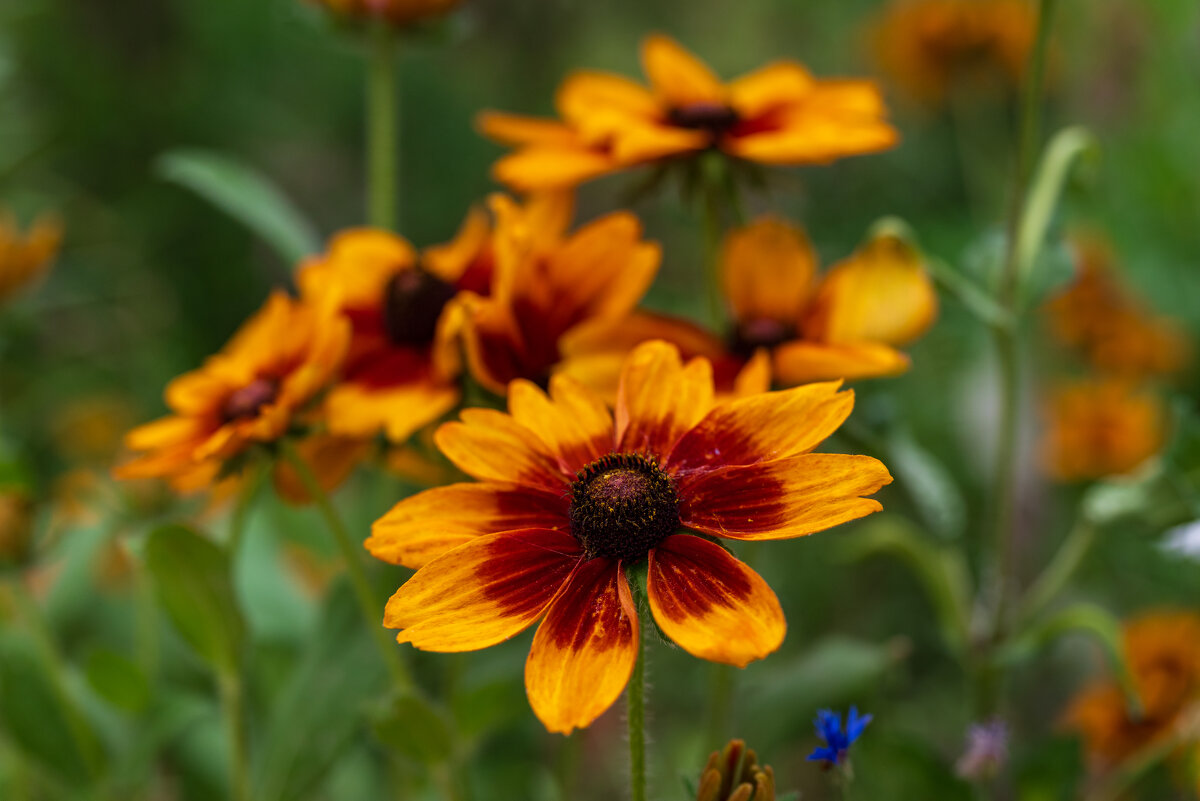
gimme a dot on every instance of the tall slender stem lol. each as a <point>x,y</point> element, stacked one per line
<point>367,601</point>
<point>382,126</point>
<point>229,686</point>
<point>635,698</point>
<point>712,251</point>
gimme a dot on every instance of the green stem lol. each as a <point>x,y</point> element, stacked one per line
<point>712,251</point>
<point>229,685</point>
<point>241,508</point>
<point>720,705</point>
<point>382,115</point>
<point>367,601</point>
<point>1056,575</point>
<point>635,698</point>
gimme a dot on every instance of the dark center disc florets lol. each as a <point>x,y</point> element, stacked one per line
<point>622,505</point>
<point>761,332</point>
<point>716,118</point>
<point>246,401</point>
<point>412,303</point>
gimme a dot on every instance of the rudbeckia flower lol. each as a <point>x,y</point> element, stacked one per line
<point>844,324</point>
<point>1101,427</point>
<point>397,12</point>
<point>932,48</point>
<point>402,369</point>
<point>25,258</point>
<point>1162,650</point>
<point>251,392</point>
<point>569,499</point>
<point>779,114</point>
<point>837,741</point>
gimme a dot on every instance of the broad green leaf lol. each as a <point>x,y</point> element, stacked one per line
<point>246,195</point>
<point>192,581</point>
<point>37,714</point>
<point>415,728</point>
<point>930,485</point>
<point>118,680</point>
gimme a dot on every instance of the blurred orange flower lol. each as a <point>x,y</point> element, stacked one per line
<point>251,392</point>
<point>1101,427</point>
<point>25,259</point>
<point>931,48</point>
<point>396,12</point>
<point>16,526</point>
<point>779,114</point>
<point>1102,319</point>
<point>1162,650</point>
<point>568,499</point>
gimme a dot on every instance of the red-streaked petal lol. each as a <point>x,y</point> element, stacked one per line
<point>573,422</point>
<point>711,604</point>
<point>585,649</point>
<point>659,399</point>
<point>761,428</point>
<point>482,592</point>
<point>492,446</point>
<point>424,526</point>
<point>781,499</point>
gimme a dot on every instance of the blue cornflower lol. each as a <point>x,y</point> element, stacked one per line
<point>837,743</point>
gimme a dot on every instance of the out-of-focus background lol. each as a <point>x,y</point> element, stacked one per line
<point>151,279</point>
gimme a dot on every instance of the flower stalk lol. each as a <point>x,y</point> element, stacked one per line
<point>635,698</point>
<point>382,126</point>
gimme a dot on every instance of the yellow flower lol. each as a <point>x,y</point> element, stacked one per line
<point>1162,650</point>
<point>1101,427</point>
<point>251,392</point>
<point>932,48</point>
<point>24,260</point>
<point>396,12</point>
<point>569,497</point>
<point>779,114</point>
<point>733,774</point>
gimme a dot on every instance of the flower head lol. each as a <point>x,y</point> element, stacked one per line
<point>986,751</point>
<point>24,259</point>
<point>568,498</point>
<point>733,774</point>
<point>779,114</point>
<point>251,392</point>
<point>397,12</point>
<point>837,741</point>
<point>1101,427</point>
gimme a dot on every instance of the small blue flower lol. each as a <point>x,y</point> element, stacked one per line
<point>837,743</point>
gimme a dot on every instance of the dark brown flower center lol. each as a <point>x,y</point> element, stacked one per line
<point>716,118</point>
<point>761,332</point>
<point>246,401</point>
<point>622,505</point>
<point>412,303</point>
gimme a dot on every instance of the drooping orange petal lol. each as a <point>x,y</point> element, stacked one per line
<point>491,446</point>
<point>573,422</point>
<point>540,168</point>
<point>799,362</point>
<point>357,410</point>
<point>585,649</point>
<point>882,294</point>
<point>518,129</point>
<point>164,432</point>
<point>659,399</point>
<point>483,591</point>
<point>711,604</point>
<point>634,144</point>
<point>677,76</point>
<point>426,525</point>
<point>762,428</point>
<point>584,93</point>
<point>782,499</point>
<point>767,88</point>
<point>768,270</point>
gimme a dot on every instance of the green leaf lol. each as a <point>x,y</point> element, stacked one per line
<point>192,580</point>
<point>929,484</point>
<point>415,728</point>
<point>118,680</point>
<point>246,195</point>
<point>40,717</point>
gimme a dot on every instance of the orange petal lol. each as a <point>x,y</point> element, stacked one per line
<point>678,77</point>
<point>585,649</point>
<point>634,144</point>
<point>424,526</point>
<point>584,93</point>
<point>882,294</point>
<point>604,268</point>
<point>799,362</point>
<point>768,270</point>
<point>575,424</point>
<point>518,129</point>
<point>539,168</point>
<point>658,399</point>
<point>777,84</point>
<point>165,432</point>
<point>357,264</point>
<point>760,428</point>
<point>358,410</point>
<point>492,446</point>
<point>482,592</point>
<point>754,376</point>
<point>451,260</point>
<point>711,604</point>
<point>781,499</point>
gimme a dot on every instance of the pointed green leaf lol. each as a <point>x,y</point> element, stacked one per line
<point>118,680</point>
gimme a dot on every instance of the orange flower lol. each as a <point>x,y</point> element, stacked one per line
<point>931,48</point>
<point>1105,322</point>
<point>251,392</point>
<point>549,284</point>
<point>396,12</point>
<point>23,260</point>
<point>1162,650</point>
<point>402,369</point>
<point>779,114</point>
<point>568,500</point>
<point>1101,427</point>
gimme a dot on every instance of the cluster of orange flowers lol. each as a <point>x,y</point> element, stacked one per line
<point>25,258</point>
<point>1112,420</point>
